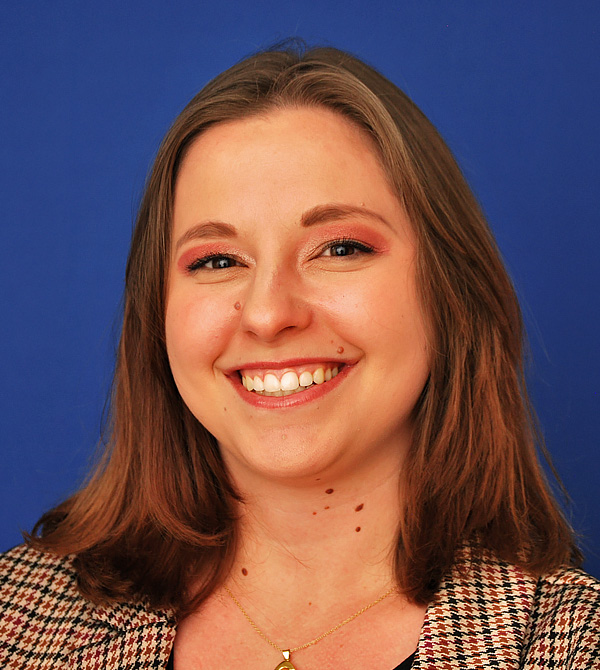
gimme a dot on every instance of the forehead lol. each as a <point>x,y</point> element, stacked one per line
<point>287,160</point>
<point>279,127</point>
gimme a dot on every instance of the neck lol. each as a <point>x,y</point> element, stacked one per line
<point>331,535</point>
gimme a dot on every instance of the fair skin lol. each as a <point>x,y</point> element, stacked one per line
<point>293,263</point>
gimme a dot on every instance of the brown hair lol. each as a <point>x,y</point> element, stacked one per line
<point>159,507</point>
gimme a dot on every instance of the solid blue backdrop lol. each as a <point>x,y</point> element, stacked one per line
<point>88,90</point>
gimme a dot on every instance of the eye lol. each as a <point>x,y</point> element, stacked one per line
<point>346,247</point>
<point>212,262</point>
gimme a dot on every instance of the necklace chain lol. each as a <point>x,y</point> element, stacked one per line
<point>320,637</point>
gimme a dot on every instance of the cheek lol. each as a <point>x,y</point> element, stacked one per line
<point>197,329</point>
<point>383,317</point>
<point>371,307</point>
<point>343,309</point>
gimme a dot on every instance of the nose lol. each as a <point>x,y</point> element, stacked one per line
<point>274,304</point>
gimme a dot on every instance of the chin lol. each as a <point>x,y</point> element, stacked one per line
<point>282,454</point>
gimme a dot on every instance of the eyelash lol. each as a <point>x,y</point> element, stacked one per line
<point>348,242</point>
<point>201,263</point>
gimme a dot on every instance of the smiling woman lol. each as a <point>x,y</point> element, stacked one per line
<point>322,451</point>
<point>311,259</point>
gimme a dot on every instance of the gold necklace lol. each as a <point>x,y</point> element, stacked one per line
<point>286,663</point>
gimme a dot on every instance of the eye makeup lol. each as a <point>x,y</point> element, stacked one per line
<point>192,259</point>
<point>316,242</point>
<point>363,238</point>
<point>355,245</point>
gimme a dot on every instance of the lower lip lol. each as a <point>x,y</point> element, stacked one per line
<point>313,392</point>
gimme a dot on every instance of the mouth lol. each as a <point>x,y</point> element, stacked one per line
<point>288,381</point>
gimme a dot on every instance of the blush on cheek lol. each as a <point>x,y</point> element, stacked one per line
<point>198,328</point>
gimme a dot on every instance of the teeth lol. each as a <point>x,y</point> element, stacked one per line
<point>306,379</point>
<point>319,376</point>
<point>271,383</point>
<point>290,382</point>
<point>278,394</point>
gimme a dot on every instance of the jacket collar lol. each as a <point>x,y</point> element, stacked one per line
<point>478,618</point>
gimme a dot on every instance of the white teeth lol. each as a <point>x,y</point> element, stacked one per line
<point>319,376</point>
<point>271,383</point>
<point>306,379</point>
<point>289,381</point>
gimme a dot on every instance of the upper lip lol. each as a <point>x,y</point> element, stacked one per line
<point>287,363</point>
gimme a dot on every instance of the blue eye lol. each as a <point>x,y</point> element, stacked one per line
<point>214,262</point>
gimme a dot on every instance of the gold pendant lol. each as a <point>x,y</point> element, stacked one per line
<point>287,664</point>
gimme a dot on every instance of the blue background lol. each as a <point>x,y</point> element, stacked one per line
<point>88,90</point>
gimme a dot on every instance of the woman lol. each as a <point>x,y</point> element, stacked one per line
<point>322,451</point>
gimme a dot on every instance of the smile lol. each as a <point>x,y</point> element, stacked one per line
<point>287,382</point>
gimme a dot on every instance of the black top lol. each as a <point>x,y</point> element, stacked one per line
<point>405,665</point>
<point>407,662</point>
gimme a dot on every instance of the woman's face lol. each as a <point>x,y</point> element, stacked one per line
<point>293,260</point>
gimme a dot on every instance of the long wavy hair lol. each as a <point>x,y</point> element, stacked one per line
<point>159,508</point>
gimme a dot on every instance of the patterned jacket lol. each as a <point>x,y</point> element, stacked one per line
<point>490,616</point>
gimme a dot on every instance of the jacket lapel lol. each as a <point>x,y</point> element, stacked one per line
<point>478,618</point>
<point>123,637</point>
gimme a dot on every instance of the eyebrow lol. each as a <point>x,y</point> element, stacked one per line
<point>206,229</point>
<point>334,212</point>
<point>312,217</point>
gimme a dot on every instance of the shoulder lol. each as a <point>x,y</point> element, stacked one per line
<point>565,619</point>
<point>25,570</point>
<point>489,613</point>
<point>45,623</point>
<point>559,612</point>
<point>40,606</point>
<point>35,584</point>
<point>569,589</point>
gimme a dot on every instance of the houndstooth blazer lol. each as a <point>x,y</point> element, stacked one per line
<point>490,616</point>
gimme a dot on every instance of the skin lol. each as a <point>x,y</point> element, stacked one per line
<point>284,295</point>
